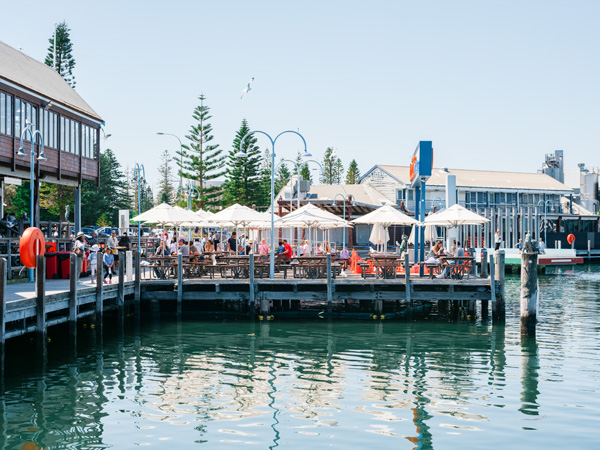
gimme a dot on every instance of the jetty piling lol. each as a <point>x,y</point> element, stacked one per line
<point>251,287</point>
<point>500,268</point>
<point>73,279</point>
<point>529,289</point>
<point>121,290</point>
<point>484,263</point>
<point>40,307</point>
<point>179,286</point>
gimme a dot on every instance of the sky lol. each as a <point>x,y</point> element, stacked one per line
<point>494,85</point>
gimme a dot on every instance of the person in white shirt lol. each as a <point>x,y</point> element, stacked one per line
<point>542,246</point>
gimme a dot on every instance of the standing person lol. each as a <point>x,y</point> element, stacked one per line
<point>79,244</point>
<point>232,243</point>
<point>306,248</point>
<point>124,245</point>
<point>93,261</point>
<point>113,242</point>
<point>173,246</point>
<point>497,240</point>
<point>109,263</point>
<point>542,246</point>
<point>94,239</point>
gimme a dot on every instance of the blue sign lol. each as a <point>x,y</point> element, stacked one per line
<point>421,164</point>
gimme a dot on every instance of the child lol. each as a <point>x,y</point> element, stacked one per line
<point>109,262</point>
<point>93,260</point>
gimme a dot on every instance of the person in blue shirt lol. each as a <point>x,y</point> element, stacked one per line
<point>109,263</point>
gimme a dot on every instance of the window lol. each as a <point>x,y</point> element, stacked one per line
<point>5,113</point>
<point>69,138</point>
<point>49,129</point>
<point>400,195</point>
<point>411,195</point>
<point>24,112</point>
<point>88,142</point>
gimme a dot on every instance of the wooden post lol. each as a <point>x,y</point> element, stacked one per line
<point>474,266</point>
<point>499,276</point>
<point>484,263</point>
<point>529,291</point>
<point>493,287</point>
<point>137,260</point>
<point>329,286</point>
<point>99,289</point>
<point>179,285</point>
<point>121,287</point>
<point>9,260</point>
<point>407,283</point>
<point>73,278</point>
<point>251,298</point>
<point>2,320</point>
<point>40,304</point>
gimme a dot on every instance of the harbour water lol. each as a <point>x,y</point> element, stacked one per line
<point>314,384</point>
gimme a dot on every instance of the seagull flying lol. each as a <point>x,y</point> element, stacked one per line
<point>245,91</point>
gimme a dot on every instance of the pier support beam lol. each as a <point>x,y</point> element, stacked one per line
<point>2,320</point>
<point>499,276</point>
<point>251,287</point>
<point>73,279</point>
<point>529,291</point>
<point>408,285</point>
<point>179,285</point>
<point>99,290</point>
<point>121,290</point>
<point>329,286</point>
<point>40,303</point>
<point>484,263</point>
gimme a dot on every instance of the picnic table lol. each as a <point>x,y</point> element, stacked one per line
<point>162,265</point>
<point>386,265</point>
<point>457,266</point>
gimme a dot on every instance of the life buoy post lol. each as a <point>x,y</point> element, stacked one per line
<point>31,245</point>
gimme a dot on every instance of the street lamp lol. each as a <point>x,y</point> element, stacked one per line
<point>242,154</point>
<point>545,204</point>
<point>344,200</point>
<point>180,154</point>
<point>139,175</point>
<point>189,191</point>
<point>41,157</point>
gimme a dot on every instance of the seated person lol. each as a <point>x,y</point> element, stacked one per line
<point>263,248</point>
<point>232,243</point>
<point>433,257</point>
<point>457,252</point>
<point>183,247</point>
<point>287,250</point>
<point>280,249</point>
<point>196,253</point>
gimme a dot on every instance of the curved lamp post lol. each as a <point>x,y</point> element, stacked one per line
<point>190,193</point>
<point>545,204</point>
<point>242,154</point>
<point>344,200</point>
<point>180,151</point>
<point>139,175</point>
<point>41,157</point>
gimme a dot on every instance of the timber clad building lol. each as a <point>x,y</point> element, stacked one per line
<point>31,91</point>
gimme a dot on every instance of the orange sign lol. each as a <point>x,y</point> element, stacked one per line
<point>412,167</point>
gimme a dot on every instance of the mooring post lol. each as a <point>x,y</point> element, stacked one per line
<point>99,289</point>
<point>499,276</point>
<point>329,286</point>
<point>179,285</point>
<point>484,263</point>
<point>129,262</point>
<point>137,283</point>
<point>474,266</point>
<point>40,303</point>
<point>251,299</point>
<point>407,283</point>
<point>9,260</point>
<point>73,278</point>
<point>2,319</point>
<point>529,288</point>
<point>493,287</point>
<point>121,287</point>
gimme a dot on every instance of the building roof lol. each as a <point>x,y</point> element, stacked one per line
<point>26,72</point>
<point>483,179</point>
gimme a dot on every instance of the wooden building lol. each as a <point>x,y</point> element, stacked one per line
<point>33,92</point>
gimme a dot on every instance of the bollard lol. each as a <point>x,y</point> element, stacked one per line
<point>499,258</point>
<point>529,290</point>
<point>129,263</point>
<point>484,263</point>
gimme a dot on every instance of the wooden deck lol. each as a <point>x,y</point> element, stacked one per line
<point>27,308</point>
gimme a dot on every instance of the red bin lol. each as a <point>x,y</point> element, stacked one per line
<point>51,266</point>
<point>64,264</point>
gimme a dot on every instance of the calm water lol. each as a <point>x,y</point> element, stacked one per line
<point>347,385</point>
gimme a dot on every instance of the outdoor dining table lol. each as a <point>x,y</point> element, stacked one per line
<point>312,266</point>
<point>385,265</point>
<point>162,265</point>
<point>457,266</point>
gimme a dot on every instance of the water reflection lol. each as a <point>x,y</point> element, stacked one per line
<point>350,385</point>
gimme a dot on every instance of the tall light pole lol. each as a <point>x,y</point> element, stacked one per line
<point>139,175</point>
<point>344,198</point>
<point>242,154</point>
<point>41,157</point>
<point>545,204</point>
<point>180,154</point>
<point>189,191</point>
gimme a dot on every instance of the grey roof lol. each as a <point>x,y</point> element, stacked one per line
<point>26,72</point>
<point>484,179</point>
<point>363,194</point>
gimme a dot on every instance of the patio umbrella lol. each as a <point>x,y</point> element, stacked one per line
<point>385,216</point>
<point>165,214</point>
<point>455,216</point>
<point>236,215</point>
<point>378,236</point>
<point>430,234</point>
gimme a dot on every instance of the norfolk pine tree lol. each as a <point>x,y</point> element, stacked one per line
<point>242,177</point>
<point>65,63</point>
<point>202,161</point>
<point>353,174</point>
<point>165,184</point>
<point>333,168</point>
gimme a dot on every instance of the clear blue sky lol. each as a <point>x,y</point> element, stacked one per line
<point>494,85</point>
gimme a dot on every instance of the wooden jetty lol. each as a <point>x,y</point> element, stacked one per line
<point>256,297</point>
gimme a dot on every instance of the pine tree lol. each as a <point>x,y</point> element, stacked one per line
<point>332,166</point>
<point>353,174</point>
<point>165,184</point>
<point>282,177</point>
<point>65,63</point>
<point>243,174</point>
<point>305,173</point>
<point>54,198</point>
<point>303,166</point>
<point>264,186</point>
<point>202,161</point>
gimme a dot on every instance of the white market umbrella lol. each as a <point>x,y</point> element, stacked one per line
<point>236,215</point>
<point>430,234</point>
<point>378,236</point>
<point>454,216</point>
<point>386,216</point>
<point>165,214</point>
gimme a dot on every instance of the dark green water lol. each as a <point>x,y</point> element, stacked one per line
<point>347,385</point>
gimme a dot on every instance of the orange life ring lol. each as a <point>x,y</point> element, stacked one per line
<point>31,244</point>
<point>571,238</point>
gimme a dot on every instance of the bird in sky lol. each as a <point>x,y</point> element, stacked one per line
<point>245,91</point>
